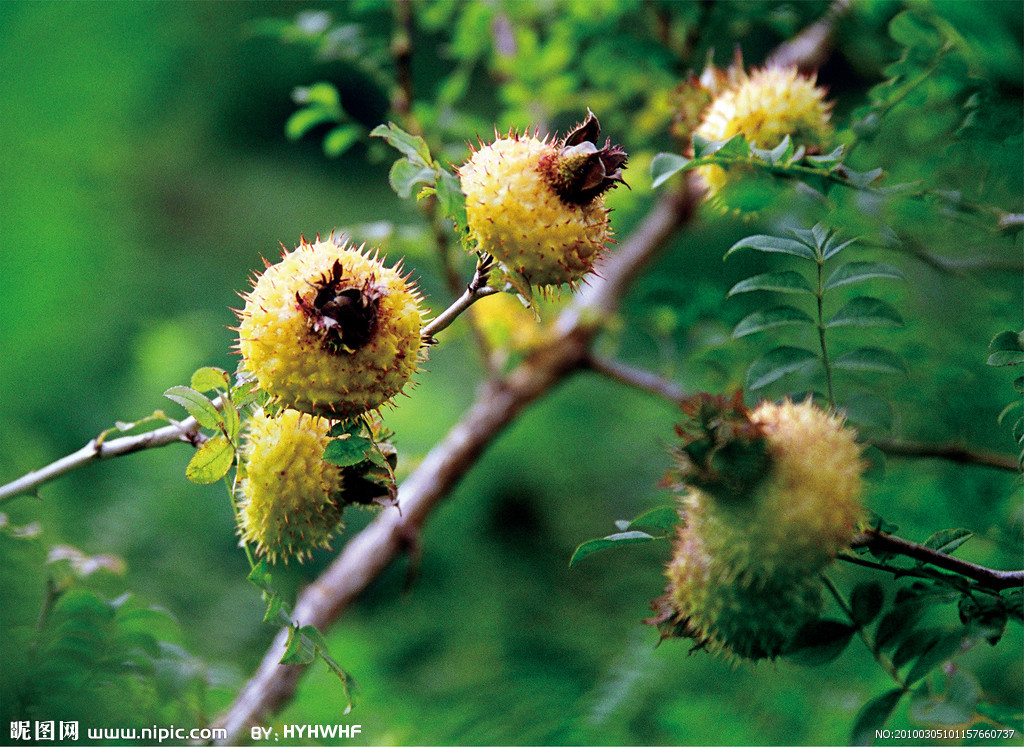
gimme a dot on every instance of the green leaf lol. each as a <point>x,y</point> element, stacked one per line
<point>211,461</point>
<point>829,159</point>
<point>819,642</point>
<point>773,244</point>
<point>734,147</point>
<point>1010,341</point>
<point>405,175</point>
<point>832,247</point>
<point>778,316</point>
<point>232,421</point>
<point>915,644</point>
<point>876,360</point>
<point>298,648</point>
<point>956,707</point>
<point>1008,410</point>
<point>777,363</point>
<point>275,606</point>
<point>198,405</point>
<point>866,602</point>
<point>896,624</point>
<point>910,29</point>
<point>856,272</point>
<point>666,165</point>
<point>260,574</point>
<point>865,311</point>
<point>304,120</point>
<point>321,94</point>
<point>873,715</point>
<point>859,179</point>
<point>340,139</point>
<point>948,540</point>
<point>208,378</point>
<point>612,540</point>
<point>783,281</point>
<point>941,650</point>
<point>346,427</point>
<point>413,146</point>
<point>345,452</point>
<point>315,636</point>
<point>450,199</point>
<point>348,683</point>
<point>1006,358</point>
<point>1007,716</point>
<point>660,517</point>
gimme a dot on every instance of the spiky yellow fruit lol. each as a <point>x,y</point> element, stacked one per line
<point>537,206</point>
<point>764,107</point>
<point>330,330</point>
<point>289,498</point>
<point>749,617</point>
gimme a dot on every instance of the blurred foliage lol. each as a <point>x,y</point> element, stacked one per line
<point>157,151</point>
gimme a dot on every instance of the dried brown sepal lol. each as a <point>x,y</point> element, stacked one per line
<point>343,312</point>
<point>580,171</point>
<point>722,452</point>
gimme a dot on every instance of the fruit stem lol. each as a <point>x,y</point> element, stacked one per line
<point>476,290</point>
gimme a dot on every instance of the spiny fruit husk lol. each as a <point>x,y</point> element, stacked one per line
<point>764,107</point>
<point>537,206</point>
<point>289,498</point>
<point>798,512</point>
<point>329,330</point>
<point>753,617</point>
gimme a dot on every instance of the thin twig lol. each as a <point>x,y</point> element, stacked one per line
<point>880,542</point>
<point>187,431</point>
<point>652,383</point>
<point>952,452</point>
<point>636,377</point>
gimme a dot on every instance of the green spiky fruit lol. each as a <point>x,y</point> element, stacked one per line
<point>329,330</point>
<point>289,498</point>
<point>769,498</point>
<point>537,206</point>
<point>753,616</point>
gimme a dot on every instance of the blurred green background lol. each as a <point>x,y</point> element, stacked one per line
<point>146,172</point>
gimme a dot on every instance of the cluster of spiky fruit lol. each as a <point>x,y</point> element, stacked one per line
<point>331,331</point>
<point>537,205</point>
<point>764,106</point>
<point>769,497</point>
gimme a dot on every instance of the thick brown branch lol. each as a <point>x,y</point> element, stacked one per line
<point>953,452</point>
<point>368,553</point>
<point>880,542</point>
<point>809,49</point>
